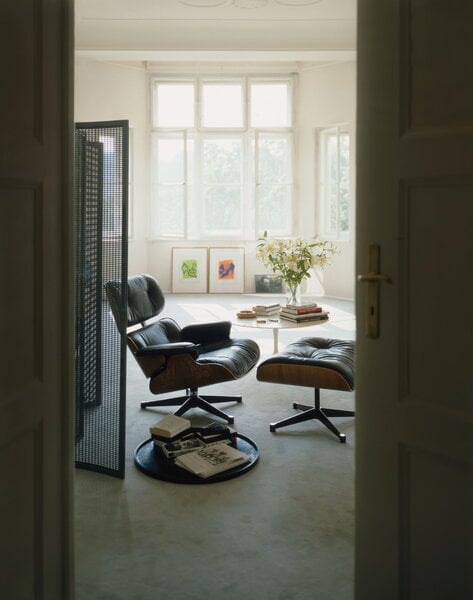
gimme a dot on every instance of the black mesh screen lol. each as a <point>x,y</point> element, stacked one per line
<point>101,201</point>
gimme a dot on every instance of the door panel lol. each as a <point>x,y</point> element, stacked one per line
<point>36,370</point>
<point>435,301</point>
<point>426,532</point>
<point>21,237</point>
<point>414,471</point>
<point>435,37</point>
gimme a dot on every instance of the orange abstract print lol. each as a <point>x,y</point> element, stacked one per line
<point>226,269</point>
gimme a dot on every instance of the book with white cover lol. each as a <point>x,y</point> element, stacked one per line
<point>212,460</point>
<point>266,306</point>
<point>170,426</point>
<point>297,307</point>
<point>300,310</point>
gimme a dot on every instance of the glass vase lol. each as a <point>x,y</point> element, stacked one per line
<point>293,294</point>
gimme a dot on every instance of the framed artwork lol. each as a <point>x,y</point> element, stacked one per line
<point>268,284</point>
<point>226,270</point>
<point>189,270</point>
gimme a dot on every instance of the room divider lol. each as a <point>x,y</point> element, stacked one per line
<point>101,160</point>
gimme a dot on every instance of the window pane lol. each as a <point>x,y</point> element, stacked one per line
<point>270,105</point>
<point>274,159</point>
<point>274,209</point>
<point>335,181</point>
<point>168,216</point>
<point>111,195</point>
<point>222,208</point>
<point>170,160</point>
<point>332,183</point>
<point>174,105</point>
<point>344,190</point>
<point>222,160</point>
<point>222,105</point>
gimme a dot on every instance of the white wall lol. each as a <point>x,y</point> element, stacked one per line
<point>327,96</point>
<point>106,91</point>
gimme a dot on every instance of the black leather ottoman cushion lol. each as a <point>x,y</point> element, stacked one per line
<point>312,361</point>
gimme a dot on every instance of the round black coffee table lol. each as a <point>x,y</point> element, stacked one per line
<point>151,462</point>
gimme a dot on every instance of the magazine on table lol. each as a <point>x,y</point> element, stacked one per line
<point>212,460</point>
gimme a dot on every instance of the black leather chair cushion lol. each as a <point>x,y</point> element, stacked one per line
<point>145,299</point>
<point>164,331</point>
<point>237,355</point>
<point>205,333</point>
<point>337,355</point>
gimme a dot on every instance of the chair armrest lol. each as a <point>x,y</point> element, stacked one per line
<point>169,349</point>
<point>206,333</point>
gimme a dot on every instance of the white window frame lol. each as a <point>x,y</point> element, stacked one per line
<point>324,200</point>
<point>170,133</point>
<point>193,202</point>
<point>131,185</point>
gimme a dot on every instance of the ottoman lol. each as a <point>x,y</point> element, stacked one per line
<point>315,362</point>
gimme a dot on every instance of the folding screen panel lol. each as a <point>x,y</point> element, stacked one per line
<point>101,200</point>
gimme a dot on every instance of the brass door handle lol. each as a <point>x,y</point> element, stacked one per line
<point>373,278</point>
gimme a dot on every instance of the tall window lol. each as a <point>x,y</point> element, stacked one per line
<point>222,154</point>
<point>334,181</point>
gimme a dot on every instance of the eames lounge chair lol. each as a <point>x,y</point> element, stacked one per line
<point>175,359</point>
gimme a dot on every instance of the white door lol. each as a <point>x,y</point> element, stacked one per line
<point>414,499</point>
<point>36,459</point>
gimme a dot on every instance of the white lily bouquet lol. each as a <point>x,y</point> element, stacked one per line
<point>293,259</point>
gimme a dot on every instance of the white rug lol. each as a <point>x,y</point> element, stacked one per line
<point>284,530</point>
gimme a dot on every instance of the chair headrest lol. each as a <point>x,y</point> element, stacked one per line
<point>145,298</point>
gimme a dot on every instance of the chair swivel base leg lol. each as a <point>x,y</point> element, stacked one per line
<point>315,412</point>
<point>213,399</point>
<point>181,399</point>
<point>164,402</point>
<point>193,400</point>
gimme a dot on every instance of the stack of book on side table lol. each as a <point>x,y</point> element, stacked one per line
<point>174,436</point>
<point>303,313</point>
<point>267,310</point>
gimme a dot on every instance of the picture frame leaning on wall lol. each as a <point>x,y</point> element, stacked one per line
<point>189,270</point>
<point>226,270</point>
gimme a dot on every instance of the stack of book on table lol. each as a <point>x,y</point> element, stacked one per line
<point>173,436</point>
<point>267,310</point>
<point>309,311</point>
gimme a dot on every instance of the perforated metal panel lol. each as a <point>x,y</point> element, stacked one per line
<point>101,197</point>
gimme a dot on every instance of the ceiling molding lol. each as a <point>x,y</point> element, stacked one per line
<point>246,3</point>
<point>222,56</point>
<point>251,19</point>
